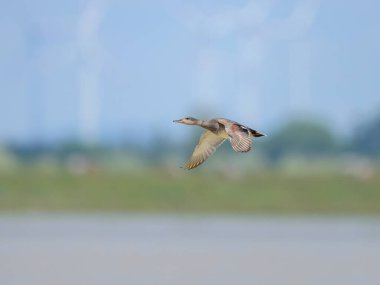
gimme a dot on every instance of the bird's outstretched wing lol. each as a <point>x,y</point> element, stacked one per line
<point>207,145</point>
<point>240,138</point>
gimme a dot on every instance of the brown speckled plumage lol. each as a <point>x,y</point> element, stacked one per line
<point>217,131</point>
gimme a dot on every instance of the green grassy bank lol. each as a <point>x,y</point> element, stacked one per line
<point>157,191</point>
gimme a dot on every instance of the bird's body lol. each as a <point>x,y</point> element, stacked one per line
<point>217,131</point>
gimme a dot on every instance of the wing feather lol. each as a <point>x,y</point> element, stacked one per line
<point>240,138</point>
<point>207,145</point>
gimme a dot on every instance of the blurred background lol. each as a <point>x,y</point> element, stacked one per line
<point>90,185</point>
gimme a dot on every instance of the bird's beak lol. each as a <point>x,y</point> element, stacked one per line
<point>178,121</point>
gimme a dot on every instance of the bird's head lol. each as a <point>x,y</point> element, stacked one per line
<point>187,121</point>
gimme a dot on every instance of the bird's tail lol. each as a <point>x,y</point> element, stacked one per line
<point>256,134</point>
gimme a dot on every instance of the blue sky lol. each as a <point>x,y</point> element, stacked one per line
<point>113,70</point>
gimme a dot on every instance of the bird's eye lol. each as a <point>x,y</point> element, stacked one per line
<point>187,118</point>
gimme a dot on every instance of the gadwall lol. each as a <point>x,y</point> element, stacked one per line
<point>217,131</point>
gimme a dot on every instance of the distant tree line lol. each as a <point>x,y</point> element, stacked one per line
<point>298,137</point>
<point>310,138</point>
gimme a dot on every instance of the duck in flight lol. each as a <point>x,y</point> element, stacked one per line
<point>217,131</point>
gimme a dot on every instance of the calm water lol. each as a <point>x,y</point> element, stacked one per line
<point>133,249</point>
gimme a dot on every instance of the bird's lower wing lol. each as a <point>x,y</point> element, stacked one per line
<point>240,138</point>
<point>207,145</point>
